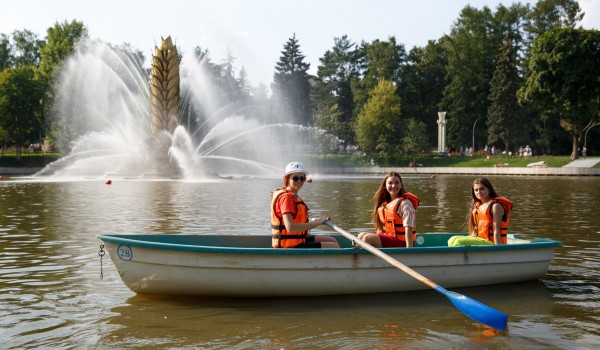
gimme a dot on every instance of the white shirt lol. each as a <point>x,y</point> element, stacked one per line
<point>407,212</point>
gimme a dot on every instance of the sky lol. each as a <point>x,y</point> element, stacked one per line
<point>254,31</point>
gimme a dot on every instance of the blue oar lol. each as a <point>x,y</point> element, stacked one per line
<point>472,308</point>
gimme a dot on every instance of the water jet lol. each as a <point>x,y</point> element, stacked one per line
<point>113,118</point>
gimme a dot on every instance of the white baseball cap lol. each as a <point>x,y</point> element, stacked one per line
<point>294,167</point>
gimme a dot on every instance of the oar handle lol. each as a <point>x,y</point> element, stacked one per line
<point>382,255</point>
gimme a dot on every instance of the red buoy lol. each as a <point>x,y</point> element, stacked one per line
<point>108,182</point>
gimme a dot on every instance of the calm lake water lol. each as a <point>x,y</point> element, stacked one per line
<point>51,294</point>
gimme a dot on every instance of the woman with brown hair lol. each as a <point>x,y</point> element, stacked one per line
<point>488,218</point>
<point>393,215</point>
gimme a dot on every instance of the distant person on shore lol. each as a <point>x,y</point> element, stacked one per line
<point>393,215</point>
<point>289,214</point>
<point>488,218</point>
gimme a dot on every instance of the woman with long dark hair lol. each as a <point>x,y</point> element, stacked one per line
<point>488,216</point>
<point>393,215</point>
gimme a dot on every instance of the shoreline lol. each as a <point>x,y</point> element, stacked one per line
<point>522,171</point>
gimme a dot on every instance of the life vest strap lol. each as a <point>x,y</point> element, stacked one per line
<point>280,236</point>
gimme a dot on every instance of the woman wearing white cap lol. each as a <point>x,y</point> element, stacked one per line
<point>289,214</point>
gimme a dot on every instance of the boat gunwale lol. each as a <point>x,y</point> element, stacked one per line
<point>128,239</point>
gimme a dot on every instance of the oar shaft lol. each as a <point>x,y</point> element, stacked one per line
<point>472,308</point>
<point>382,255</point>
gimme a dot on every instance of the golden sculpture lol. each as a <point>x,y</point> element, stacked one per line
<point>164,89</point>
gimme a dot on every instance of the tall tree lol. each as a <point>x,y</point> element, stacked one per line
<point>540,18</point>
<point>60,42</point>
<point>513,22</point>
<point>5,52</point>
<point>26,47</point>
<point>472,48</point>
<point>505,122</point>
<point>228,82</point>
<point>379,60</point>
<point>20,108</point>
<point>563,81</point>
<point>243,84</point>
<point>291,87</point>
<point>377,126</point>
<point>422,85</point>
<point>203,56</point>
<point>384,61</point>
<point>547,14</point>
<point>333,88</point>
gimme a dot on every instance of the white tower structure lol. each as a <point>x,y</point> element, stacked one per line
<point>441,132</point>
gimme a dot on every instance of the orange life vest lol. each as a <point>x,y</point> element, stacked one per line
<point>391,221</point>
<point>484,222</point>
<point>281,238</point>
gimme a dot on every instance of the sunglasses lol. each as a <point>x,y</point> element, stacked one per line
<point>299,178</point>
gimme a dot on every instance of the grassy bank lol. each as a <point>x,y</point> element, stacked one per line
<point>433,161</point>
<point>459,161</point>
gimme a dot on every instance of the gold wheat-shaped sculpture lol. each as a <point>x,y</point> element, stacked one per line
<point>164,88</point>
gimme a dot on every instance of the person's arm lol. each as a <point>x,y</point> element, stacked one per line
<point>291,226</point>
<point>408,236</point>
<point>407,213</point>
<point>497,213</point>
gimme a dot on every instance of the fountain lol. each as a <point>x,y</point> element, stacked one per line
<point>114,123</point>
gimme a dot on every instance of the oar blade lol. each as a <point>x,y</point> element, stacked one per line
<point>476,310</point>
<point>472,308</point>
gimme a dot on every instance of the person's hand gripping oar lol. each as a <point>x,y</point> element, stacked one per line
<point>472,308</point>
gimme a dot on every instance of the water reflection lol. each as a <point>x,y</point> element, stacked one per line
<point>351,322</point>
<point>51,294</point>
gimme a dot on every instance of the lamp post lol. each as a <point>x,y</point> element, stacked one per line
<point>585,137</point>
<point>474,135</point>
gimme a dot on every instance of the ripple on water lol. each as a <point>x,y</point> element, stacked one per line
<point>49,270</point>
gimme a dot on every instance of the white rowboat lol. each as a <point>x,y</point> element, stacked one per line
<point>245,266</point>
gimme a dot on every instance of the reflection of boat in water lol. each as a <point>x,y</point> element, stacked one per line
<point>243,265</point>
<point>292,322</point>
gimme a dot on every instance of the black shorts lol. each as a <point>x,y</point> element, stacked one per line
<point>309,242</point>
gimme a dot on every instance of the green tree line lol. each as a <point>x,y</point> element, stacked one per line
<point>27,69</point>
<point>525,74</point>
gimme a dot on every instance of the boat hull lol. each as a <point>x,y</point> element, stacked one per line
<point>236,266</point>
